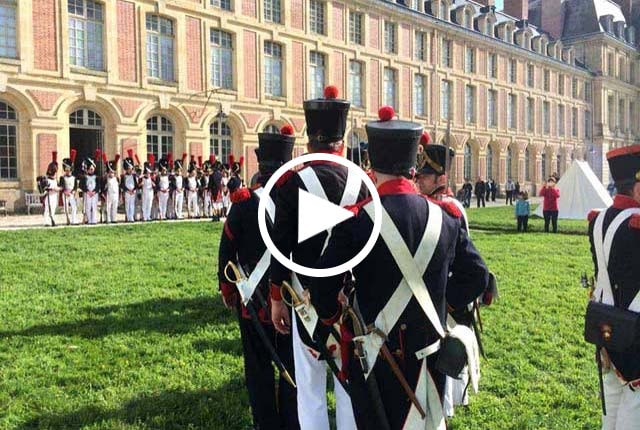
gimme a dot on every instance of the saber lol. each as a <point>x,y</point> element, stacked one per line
<point>258,326</point>
<point>476,311</point>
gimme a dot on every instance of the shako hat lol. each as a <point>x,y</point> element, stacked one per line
<point>393,144</point>
<point>52,168</point>
<point>432,159</point>
<point>624,164</point>
<point>275,149</point>
<point>128,163</point>
<point>68,163</point>
<point>111,165</point>
<point>326,117</point>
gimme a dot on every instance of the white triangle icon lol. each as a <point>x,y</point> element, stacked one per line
<point>316,215</point>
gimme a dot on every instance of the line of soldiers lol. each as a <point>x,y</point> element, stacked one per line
<point>393,328</point>
<point>149,191</point>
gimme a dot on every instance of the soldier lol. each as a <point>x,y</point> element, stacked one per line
<point>69,187</point>
<point>129,186</point>
<point>241,244</point>
<point>162,188</point>
<point>177,187</point>
<point>204,187</point>
<point>90,184</point>
<point>401,288</point>
<point>192,190</point>
<point>147,186</point>
<point>326,122</point>
<point>215,184</point>
<point>111,189</point>
<point>614,235</point>
<point>49,190</point>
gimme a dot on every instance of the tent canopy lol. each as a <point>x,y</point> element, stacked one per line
<point>580,192</point>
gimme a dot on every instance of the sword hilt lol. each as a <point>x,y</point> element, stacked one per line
<point>237,276</point>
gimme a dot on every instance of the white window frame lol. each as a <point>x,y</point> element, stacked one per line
<point>272,11</point>
<point>470,104</point>
<point>317,17</point>
<point>8,29</point>
<point>512,111</point>
<point>470,60</point>
<point>530,117</point>
<point>9,139</point>
<point>390,37</point>
<point>419,92</point>
<point>421,49</point>
<point>273,69</point>
<point>356,75</point>
<point>492,66</point>
<point>574,122</point>
<point>221,43</point>
<point>221,4</point>
<point>546,117</point>
<point>356,27</point>
<point>86,34</point>
<point>390,87</point>
<point>160,61</point>
<point>160,135</point>
<point>446,92</point>
<point>317,74</point>
<point>492,108</point>
<point>220,143</point>
<point>446,57</point>
<point>561,123</point>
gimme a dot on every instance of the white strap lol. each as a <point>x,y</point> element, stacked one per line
<point>271,206</point>
<point>429,399</point>
<point>351,189</point>
<point>462,210</point>
<point>307,313</point>
<point>312,183</point>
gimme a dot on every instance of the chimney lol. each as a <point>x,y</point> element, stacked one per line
<point>552,17</point>
<point>487,2</point>
<point>518,9</point>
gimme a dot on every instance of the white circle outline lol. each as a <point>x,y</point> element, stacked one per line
<point>310,271</point>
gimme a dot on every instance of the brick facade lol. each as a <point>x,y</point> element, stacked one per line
<point>126,41</point>
<point>44,35</point>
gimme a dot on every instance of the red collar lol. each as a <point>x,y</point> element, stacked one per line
<point>324,151</point>
<point>397,186</point>
<point>620,201</point>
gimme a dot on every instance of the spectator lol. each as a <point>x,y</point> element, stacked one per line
<point>488,186</point>
<point>468,190</point>
<point>509,187</point>
<point>480,190</point>
<point>551,194</point>
<point>523,210</point>
<point>494,190</point>
<point>516,191</point>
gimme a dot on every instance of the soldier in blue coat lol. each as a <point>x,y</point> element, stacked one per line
<point>396,354</point>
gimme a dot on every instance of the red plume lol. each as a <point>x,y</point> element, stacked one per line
<point>386,113</point>
<point>184,157</point>
<point>152,159</point>
<point>425,139</point>
<point>54,156</point>
<point>74,154</point>
<point>232,159</point>
<point>212,158</point>
<point>130,152</point>
<point>137,159</point>
<point>105,159</point>
<point>241,161</point>
<point>170,157</point>
<point>330,92</point>
<point>96,155</point>
<point>117,158</point>
<point>171,164</point>
<point>199,160</point>
<point>287,130</point>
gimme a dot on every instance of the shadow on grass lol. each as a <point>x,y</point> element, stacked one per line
<point>224,407</point>
<point>163,315</point>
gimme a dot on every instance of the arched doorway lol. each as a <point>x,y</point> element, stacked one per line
<point>271,128</point>
<point>159,136</point>
<point>220,138</point>
<point>86,134</point>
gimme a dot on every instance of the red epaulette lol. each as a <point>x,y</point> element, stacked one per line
<point>240,195</point>
<point>284,178</point>
<point>634,222</point>
<point>448,207</point>
<point>358,206</point>
<point>593,214</point>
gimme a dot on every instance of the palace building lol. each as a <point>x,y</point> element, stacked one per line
<point>524,91</point>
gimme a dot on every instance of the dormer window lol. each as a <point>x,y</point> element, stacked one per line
<point>619,29</point>
<point>443,9</point>
<point>468,19</point>
<point>490,26</point>
<point>631,35</point>
<point>607,23</point>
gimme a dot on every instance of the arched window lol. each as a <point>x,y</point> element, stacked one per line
<point>559,164</point>
<point>527,165</point>
<point>220,138</point>
<point>8,142</point>
<point>544,165</point>
<point>467,161</point>
<point>489,162</point>
<point>159,136</point>
<point>85,118</point>
<point>509,163</point>
<point>271,128</point>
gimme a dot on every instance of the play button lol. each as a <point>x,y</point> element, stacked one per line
<point>316,215</point>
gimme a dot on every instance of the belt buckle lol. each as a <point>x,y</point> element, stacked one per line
<point>361,354</point>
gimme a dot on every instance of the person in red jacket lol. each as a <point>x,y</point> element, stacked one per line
<point>551,194</point>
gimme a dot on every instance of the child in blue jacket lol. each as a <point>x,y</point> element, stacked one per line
<point>523,211</point>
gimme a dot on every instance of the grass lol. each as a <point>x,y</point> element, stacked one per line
<point>502,218</point>
<point>125,330</point>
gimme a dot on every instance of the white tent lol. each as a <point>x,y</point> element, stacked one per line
<point>580,191</point>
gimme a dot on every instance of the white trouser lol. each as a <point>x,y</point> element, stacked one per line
<point>112,206</point>
<point>72,207</point>
<point>311,379</point>
<point>91,208</point>
<point>51,198</point>
<point>163,199</point>
<point>130,205</point>
<point>623,405</point>
<point>454,392</point>
<point>147,201</point>
<point>207,204</point>
<point>192,203</point>
<point>178,202</point>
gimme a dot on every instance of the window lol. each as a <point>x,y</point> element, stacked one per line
<point>544,164</point>
<point>272,11</point>
<point>8,142</point>
<point>316,16</point>
<point>470,104</point>
<point>160,47</point>
<point>547,78</point>
<point>467,161</point>
<point>561,84</point>
<point>574,88</point>
<point>574,122</point>
<point>512,110</point>
<point>355,28</point>
<point>632,114</point>
<point>390,85</point>
<point>621,126</point>
<point>272,69</point>
<point>445,100</point>
<point>587,92</point>
<point>530,114</point>
<point>446,53</point>
<point>546,117</point>
<point>468,19</point>
<point>470,60</point>
<point>611,112</point>
<point>561,125</point>
<point>508,35</point>
<point>271,128</point>
<point>632,72</point>
<point>513,71</point>
<point>621,69</point>
<point>8,40</point>
<point>355,82</point>
<point>316,74</point>
<point>492,108</point>
<point>588,124</point>
<point>421,46</point>
<point>159,136</point>
<point>221,59</point>
<point>222,4</point>
<point>530,75</point>
<point>419,84</point>
<point>85,118</point>
<point>610,65</point>
<point>85,34</point>
<point>390,45</point>
<point>489,162</point>
<point>492,67</point>
<point>220,138</point>
<point>509,163</point>
<point>527,165</point>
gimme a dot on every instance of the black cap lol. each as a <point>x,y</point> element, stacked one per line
<point>433,159</point>
<point>192,166</point>
<point>147,167</point>
<point>88,162</point>
<point>127,163</point>
<point>327,117</point>
<point>275,149</point>
<point>624,164</point>
<point>164,163</point>
<point>393,144</point>
<point>177,164</point>
<point>67,163</point>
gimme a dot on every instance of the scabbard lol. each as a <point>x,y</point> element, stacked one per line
<point>601,380</point>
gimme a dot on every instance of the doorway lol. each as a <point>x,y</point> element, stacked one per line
<point>85,136</point>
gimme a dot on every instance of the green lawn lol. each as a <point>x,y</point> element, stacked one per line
<point>126,331</point>
<point>502,218</point>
